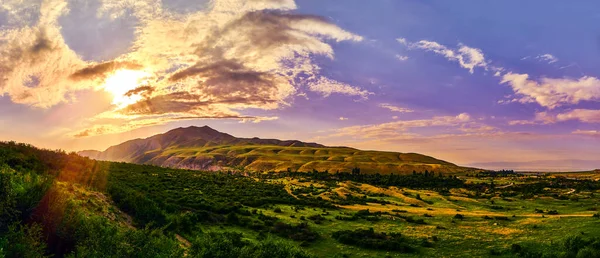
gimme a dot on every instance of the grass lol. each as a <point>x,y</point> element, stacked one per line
<point>483,228</point>
<point>305,159</point>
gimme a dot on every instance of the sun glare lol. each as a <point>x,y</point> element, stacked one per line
<point>123,81</point>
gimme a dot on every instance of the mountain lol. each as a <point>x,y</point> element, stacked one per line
<point>203,148</point>
<point>543,165</point>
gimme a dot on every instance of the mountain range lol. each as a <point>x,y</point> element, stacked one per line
<point>203,148</point>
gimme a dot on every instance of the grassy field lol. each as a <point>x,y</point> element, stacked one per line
<point>488,224</point>
<point>304,159</point>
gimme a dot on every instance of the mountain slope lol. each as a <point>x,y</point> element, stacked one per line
<point>203,148</point>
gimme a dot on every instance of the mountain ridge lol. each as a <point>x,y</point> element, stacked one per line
<point>204,148</point>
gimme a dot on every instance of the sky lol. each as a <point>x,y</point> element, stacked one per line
<point>467,81</point>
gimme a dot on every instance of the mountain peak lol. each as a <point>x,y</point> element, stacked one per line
<point>195,133</point>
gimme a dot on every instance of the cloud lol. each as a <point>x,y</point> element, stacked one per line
<point>402,41</point>
<point>468,57</point>
<point>581,115</point>
<point>95,71</point>
<point>553,92</point>
<point>257,120</point>
<point>594,133</point>
<point>457,125</point>
<point>547,58</point>
<point>395,108</point>
<point>343,118</point>
<point>211,62</point>
<point>327,87</point>
<point>34,59</point>
<point>401,57</point>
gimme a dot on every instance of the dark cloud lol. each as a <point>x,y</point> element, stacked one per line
<point>100,70</point>
<point>177,102</point>
<point>42,43</point>
<point>263,30</point>
<point>144,91</point>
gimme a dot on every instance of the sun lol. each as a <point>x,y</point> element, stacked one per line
<point>123,81</point>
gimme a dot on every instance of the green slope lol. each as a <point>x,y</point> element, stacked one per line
<point>203,148</point>
<point>302,159</point>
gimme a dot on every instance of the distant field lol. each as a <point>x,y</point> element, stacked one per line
<point>302,159</point>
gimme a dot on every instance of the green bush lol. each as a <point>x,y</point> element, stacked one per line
<point>23,241</point>
<point>368,238</point>
<point>225,245</point>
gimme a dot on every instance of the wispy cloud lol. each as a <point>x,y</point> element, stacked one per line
<point>468,57</point>
<point>547,58</point>
<point>396,108</point>
<point>458,125</point>
<point>401,57</point>
<point>594,133</point>
<point>581,115</point>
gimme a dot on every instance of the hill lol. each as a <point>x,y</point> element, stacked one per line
<point>203,148</point>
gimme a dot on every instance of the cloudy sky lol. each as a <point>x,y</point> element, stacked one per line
<point>467,81</point>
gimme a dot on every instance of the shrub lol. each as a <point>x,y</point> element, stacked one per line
<point>300,232</point>
<point>368,238</point>
<point>515,248</point>
<point>225,245</point>
<point>23,241</point>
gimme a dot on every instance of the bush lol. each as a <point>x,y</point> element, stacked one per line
<point>23,241</point>
<point>367,238</point>
<point>225,245</point>
<point>515,248</point>
<point>300,232</point>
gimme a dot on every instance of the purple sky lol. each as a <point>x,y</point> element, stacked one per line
<point>466,81</point>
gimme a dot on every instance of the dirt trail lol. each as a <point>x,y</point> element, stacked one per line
<point>183,241</point>
<point>505,186</point>
<point>288,189</point>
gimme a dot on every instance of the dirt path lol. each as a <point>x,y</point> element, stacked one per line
<point>505,186</point>
<point>183,241</point>
<point>288,189</point>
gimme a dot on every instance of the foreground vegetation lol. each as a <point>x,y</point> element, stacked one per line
<point>59,204</point>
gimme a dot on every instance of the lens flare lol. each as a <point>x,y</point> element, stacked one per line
<point>123,81</point>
